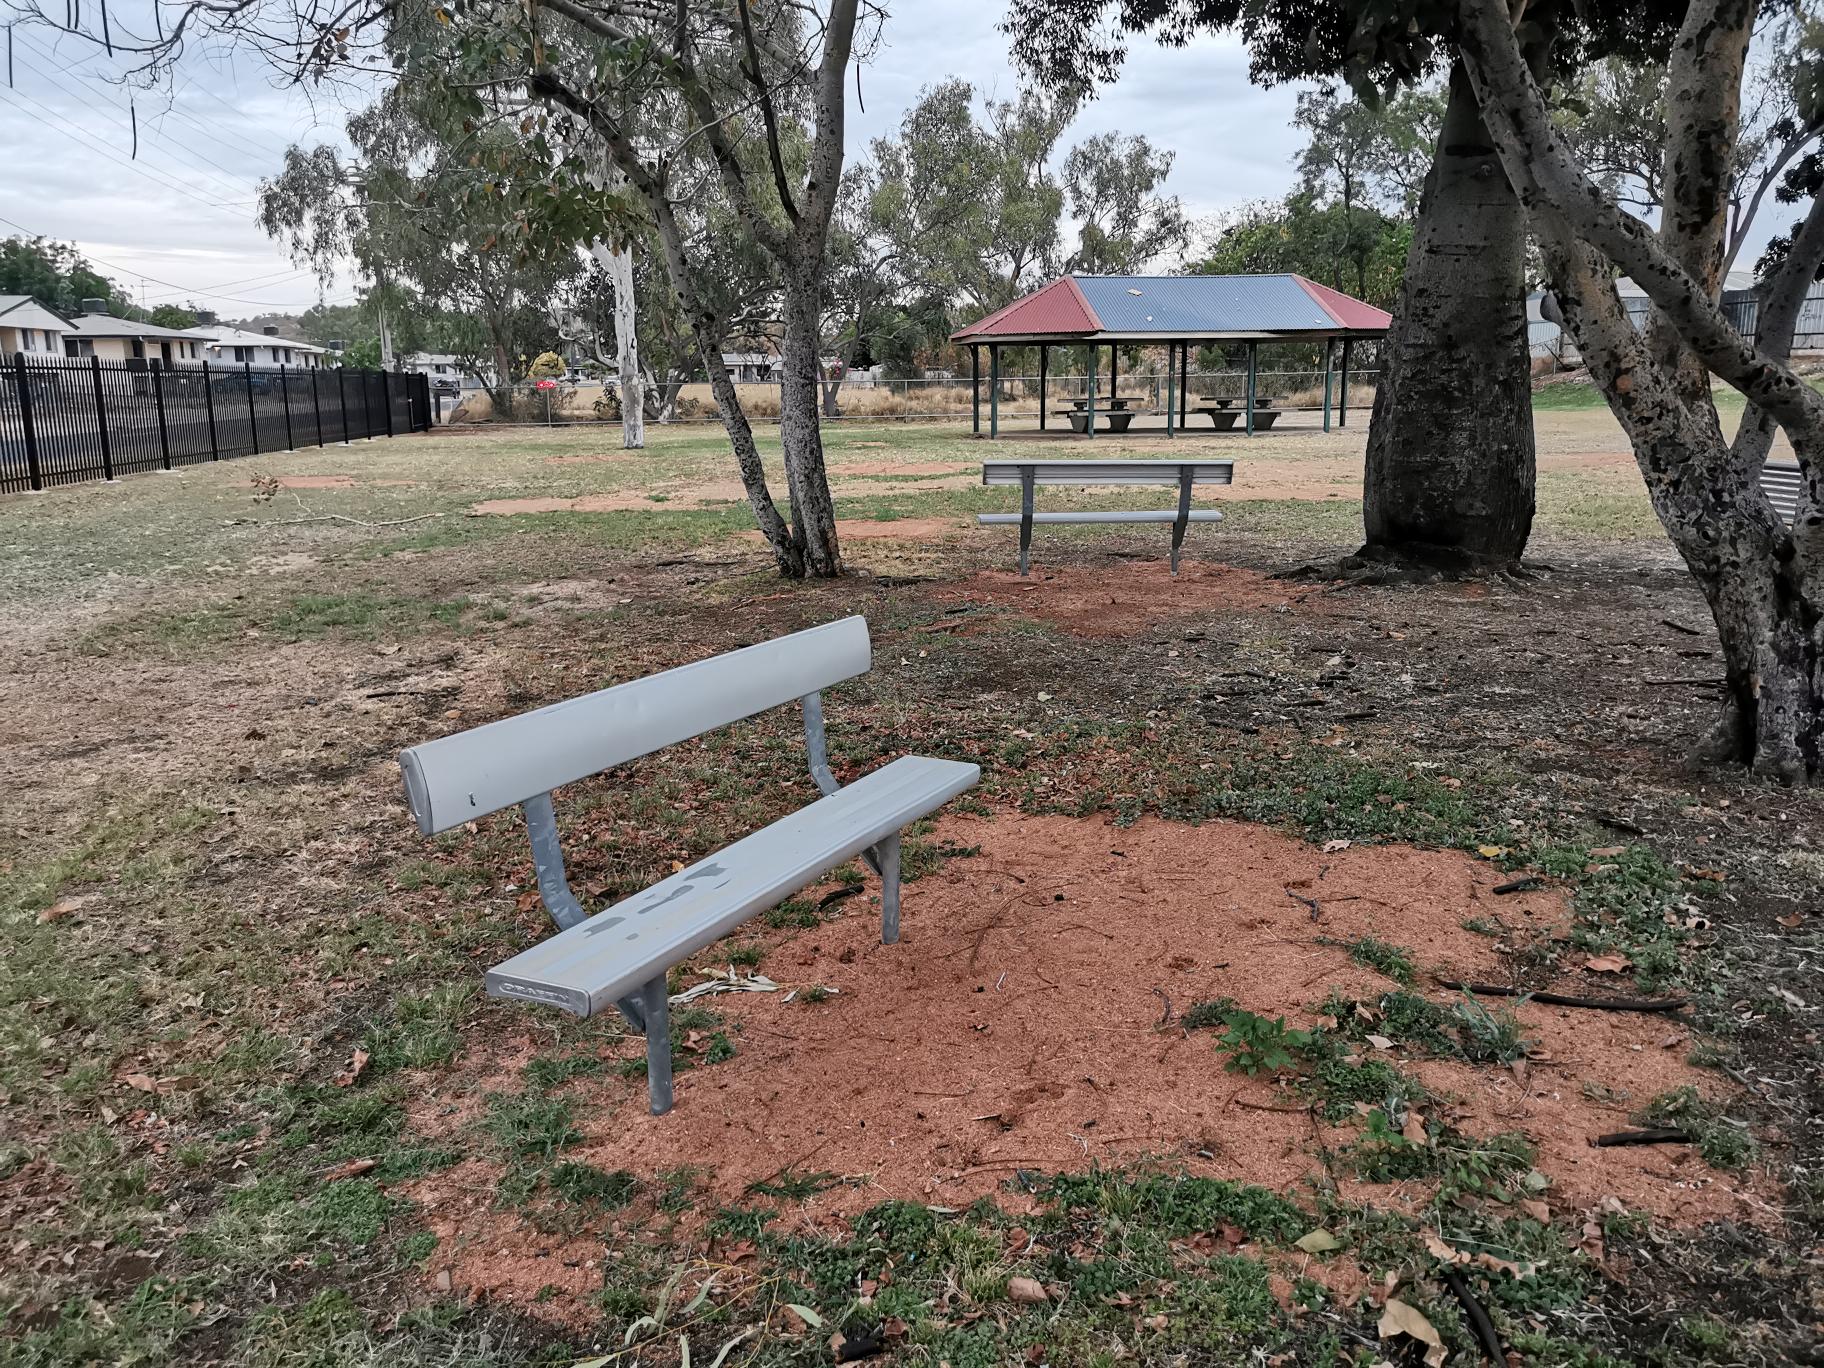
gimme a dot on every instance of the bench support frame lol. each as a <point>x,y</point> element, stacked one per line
<point>1183,519</point>
<point>883,859</point>
<point>1026,501</point>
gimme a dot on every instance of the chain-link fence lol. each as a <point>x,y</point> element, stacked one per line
<point>866,397</point>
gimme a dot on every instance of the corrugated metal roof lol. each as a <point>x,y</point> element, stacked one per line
<point>1178,306</point>
<point>1347,309</point>
<point>107,325</point>
<point>1053,310</point>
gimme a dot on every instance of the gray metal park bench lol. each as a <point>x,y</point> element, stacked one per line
<point>620,956</point>
<point>1780,482</point>
<point>1029,474</point>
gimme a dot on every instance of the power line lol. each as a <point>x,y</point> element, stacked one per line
<point>60,126</point>
<point>233,185</point>
<point>230,135</point>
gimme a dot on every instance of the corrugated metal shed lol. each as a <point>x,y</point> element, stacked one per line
<point>1173,307</point>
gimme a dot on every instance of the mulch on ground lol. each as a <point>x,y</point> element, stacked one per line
<point>1029,1019</point>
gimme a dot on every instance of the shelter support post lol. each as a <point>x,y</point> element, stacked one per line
<point>994,390</point>
<point>1089,427</point>
<point>1184,381</point>
<point>1171,388</point>
<point>1329,370</point>
<point>1043,357</point>
<point>975,391</point>
<point>1342,407</point>
<point>1253,372</point>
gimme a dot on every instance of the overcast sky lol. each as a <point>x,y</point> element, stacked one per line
<point>176,223</point>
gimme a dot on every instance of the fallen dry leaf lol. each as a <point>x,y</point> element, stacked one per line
<point>1608,964</point>
<point>1318,1241</point>
<point>352,1169</point>
<point>1608,852</point>
<point>1027,1290</point>
<point>1331,847</point>
<point>60,909</point>
<point>1397,1318</point>
<point>140,1081</point>
<point>357,1062</point>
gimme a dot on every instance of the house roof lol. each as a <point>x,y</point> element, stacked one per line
<point>106,325</point>
<point>222,335</point>
<point>1170,308</point>
<point>27,305</point>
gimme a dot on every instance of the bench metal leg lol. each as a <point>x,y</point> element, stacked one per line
<point>655,1007</point>
<point>889,889</point>
<point>548,860</point>
<point>1025,520</point>
<point>1184,515</point>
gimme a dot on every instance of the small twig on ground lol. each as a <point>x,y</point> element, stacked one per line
<point>1479,1321</point>
<point>1680,627</point>
<point>1166,1016</point>
<point>837,895</point>
<point>1614,823</point>
<point>343,517</point>
<point>1525,884</point>
<point>1566,1000</point>
<point>1267,1106</point>
<point>1312,903</point>
<point>1659,1135</point>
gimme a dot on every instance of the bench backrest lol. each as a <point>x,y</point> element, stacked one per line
<point>455,778</point>
<point>1108,472</point>
<point>1780,481</point>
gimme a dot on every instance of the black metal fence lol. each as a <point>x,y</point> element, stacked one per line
<point>65,420</point>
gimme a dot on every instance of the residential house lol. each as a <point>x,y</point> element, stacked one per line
<point>27,326</point>
<point>99,333</point>
<point>236,347</point>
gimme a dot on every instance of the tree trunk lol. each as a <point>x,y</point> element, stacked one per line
<point>1450,468</point>
<point>800,430</point>
<point>1763,580</point>
<point>627,350</point>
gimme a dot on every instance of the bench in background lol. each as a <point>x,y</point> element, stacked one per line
<point>1030,474</point>
<point>620,957</point>
<point>1780,482</point>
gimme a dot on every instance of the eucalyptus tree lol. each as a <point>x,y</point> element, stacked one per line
<point>1764,580</point>
<point>760,89</point>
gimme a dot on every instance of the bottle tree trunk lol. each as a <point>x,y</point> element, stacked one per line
<point>800,428</point>
<point>1450,467</point>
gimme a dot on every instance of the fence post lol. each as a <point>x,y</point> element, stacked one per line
<point>316,402</point>
<point>342,390</point>
<point>386,401</point>
<point>158,402</point>
<point>215,450</point>
<point>285,394</point>
<point>253,417</point>
<point>101,420</point>
<point>25,418</point>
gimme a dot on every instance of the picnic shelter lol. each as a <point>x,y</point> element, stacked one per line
<point>1178,313</point>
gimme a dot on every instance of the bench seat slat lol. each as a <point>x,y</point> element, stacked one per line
<point>1780,482</point>
<point>469,774</point>
<point>585,969</point>
<point>1108,472</point>
<point>1117,516</point>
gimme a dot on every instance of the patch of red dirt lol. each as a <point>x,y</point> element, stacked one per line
<point>1121,600</point>
<point>1028,1019</point>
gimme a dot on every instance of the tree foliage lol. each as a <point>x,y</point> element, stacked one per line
<point>55,274</point>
